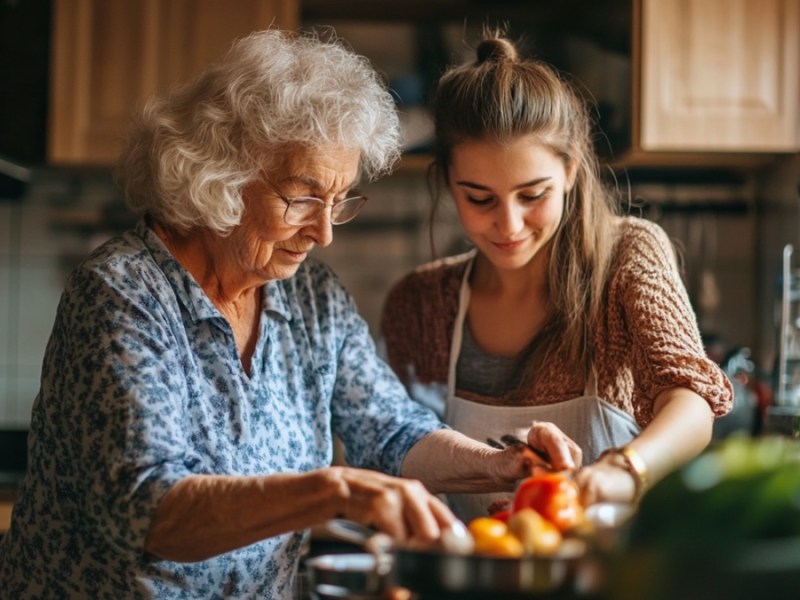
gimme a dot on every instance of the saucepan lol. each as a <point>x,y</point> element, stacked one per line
<point>441,574</point>
<point>351,575</point>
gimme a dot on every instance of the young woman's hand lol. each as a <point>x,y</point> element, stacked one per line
<point>607,480</point>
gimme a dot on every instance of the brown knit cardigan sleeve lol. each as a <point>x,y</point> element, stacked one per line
<point>650,340</point>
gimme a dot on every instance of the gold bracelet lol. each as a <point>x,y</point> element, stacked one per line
<point>635,466</point>
<point>638,468</point>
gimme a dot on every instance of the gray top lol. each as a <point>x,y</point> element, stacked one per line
<point>483,373</point>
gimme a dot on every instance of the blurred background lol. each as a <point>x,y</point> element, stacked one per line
<point>697,105</point>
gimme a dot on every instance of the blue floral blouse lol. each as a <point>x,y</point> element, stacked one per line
<point>142,385</point>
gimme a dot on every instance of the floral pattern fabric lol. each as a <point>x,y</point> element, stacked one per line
<point>142,386</point>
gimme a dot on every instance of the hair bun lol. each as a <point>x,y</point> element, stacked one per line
<point>496,50</point>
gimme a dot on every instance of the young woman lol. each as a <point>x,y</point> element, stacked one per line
<point>567,324</point>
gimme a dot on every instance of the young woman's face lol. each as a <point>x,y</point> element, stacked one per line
<point>510,197</point>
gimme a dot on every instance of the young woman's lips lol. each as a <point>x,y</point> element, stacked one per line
<point>508,246</point>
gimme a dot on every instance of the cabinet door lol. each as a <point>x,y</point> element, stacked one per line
<point>720,75</point>
<point>108,55</point>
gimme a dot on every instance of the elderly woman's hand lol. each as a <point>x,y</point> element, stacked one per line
<point>402,508</point>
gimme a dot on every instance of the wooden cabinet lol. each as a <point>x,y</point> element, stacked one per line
<point>108,55</point>
<point>712,79</point>
<point>717,75</point>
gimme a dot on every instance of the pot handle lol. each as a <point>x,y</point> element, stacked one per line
<point>380,545</point>
<point>455,539</point>
<point>349,531</point>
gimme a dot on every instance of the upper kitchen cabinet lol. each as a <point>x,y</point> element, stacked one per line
<point>108,55</point>
<point>717,76</point>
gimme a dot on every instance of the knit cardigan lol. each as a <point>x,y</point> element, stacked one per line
<point>647,342</point>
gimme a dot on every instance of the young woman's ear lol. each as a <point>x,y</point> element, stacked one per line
<point>572,174</point>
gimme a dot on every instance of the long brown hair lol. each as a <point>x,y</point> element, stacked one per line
<point>501,97</point>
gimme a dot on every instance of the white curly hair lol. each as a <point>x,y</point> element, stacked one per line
<point>189,153</point>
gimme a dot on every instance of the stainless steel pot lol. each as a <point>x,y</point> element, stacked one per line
<point>439,574</point>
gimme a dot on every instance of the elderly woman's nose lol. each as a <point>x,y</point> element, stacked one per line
<point>321,229</point>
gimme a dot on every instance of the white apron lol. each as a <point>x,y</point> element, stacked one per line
<point>590,421</point>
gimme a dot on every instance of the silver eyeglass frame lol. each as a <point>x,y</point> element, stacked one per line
<point>319,205</point>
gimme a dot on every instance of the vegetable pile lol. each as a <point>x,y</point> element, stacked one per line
<point>544,508</point>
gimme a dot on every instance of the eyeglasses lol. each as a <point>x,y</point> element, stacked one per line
<point>304,210</point>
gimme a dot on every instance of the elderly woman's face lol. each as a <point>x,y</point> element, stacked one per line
<point>269,247</point>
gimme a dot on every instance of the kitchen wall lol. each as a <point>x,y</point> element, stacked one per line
<point>390,237</point>
<point>43,235</point>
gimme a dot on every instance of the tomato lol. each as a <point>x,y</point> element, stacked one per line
<point>502,515</point>
<point>554,496</point>
<point>493,538</point>
<point>485,527</point>
<point>506,545</point>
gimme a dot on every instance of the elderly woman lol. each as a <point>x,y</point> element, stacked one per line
<point>199,365</point>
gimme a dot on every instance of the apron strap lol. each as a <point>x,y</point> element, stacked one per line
<point>591,383</point>
<point>458,328</point>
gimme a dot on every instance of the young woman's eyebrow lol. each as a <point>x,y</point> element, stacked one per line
<point>477,186</point>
